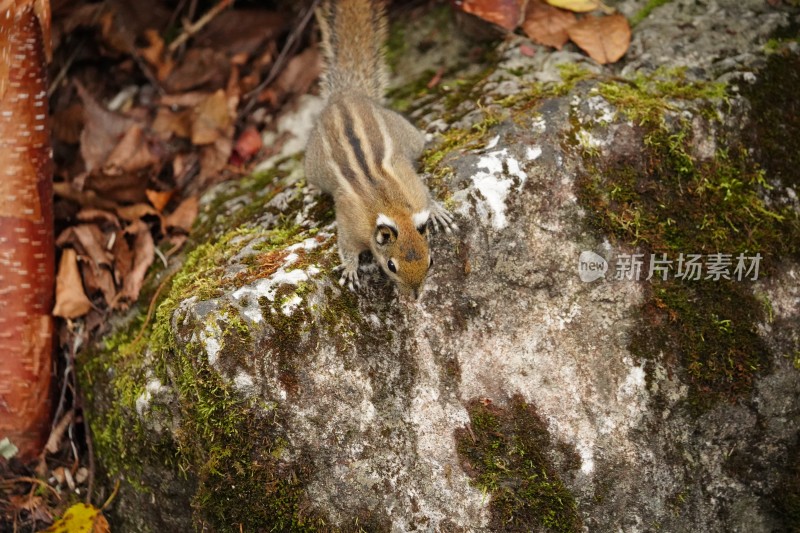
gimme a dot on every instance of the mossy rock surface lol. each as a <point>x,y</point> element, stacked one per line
<point>259,395</point>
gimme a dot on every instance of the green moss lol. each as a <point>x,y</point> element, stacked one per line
<point>572,74</point>
<point>242,484</point>
<point>774,129</point>
<point>119,439</point>
<point>666,201</point>
<point>711,328</point>
<point>646,97</point>
<point>239,483</point>
<point>507,452</point>
<point>646,10</point>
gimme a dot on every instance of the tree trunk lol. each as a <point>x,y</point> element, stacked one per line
<point>26,228</point>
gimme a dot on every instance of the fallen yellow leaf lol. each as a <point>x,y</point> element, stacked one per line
<point>80,518</point>
<point>578,6</point>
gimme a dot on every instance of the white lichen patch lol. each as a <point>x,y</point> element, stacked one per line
<point>248,296</point>
<point>532,153</point>
<point>267,288</point>
<point>291,303</point>
<point>497,172</point>
<point>493,191</point>
<point>538,124</point>
<point>245,383</point>
<point>211,338</point>
<point>153,387</point>
<point>601,110</point>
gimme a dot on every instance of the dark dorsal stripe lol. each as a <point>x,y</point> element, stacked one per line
<point>355,143</point>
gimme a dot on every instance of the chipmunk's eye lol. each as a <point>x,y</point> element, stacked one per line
<point>391,266</point>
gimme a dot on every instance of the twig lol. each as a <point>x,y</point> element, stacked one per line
<point>67,381</point>
<point>63,72</point>
<point>151,308</point>
<point>90,450</point>
<point>190,29</point>
<point>173,18</point>
<point>113,495</point>
<point>26,479</point>
<point>279,62</point>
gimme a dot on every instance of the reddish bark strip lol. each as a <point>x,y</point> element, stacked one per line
<point>26,230</point>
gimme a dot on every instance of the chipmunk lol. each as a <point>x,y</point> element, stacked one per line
<point>364,154</point>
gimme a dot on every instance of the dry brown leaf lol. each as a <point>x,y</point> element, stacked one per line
<point>54,440</point>
<point>184,167</point>
<point>111,189</point>
<point>153,53</point>
<point>547,25</point>
<point>131,154</point>
<point>143,255</point>
<point>71,301</point>
<point>605,39</point>
<point>102,130</point>
<point>190,99</point>
<point>200,67</point>
<point>177,241</point>
<point>98,280</point>
<point>297,78</point>
<point>114,33</point>
<point>101,525</point>
<point>82,198</point>
<point>183,217</point>
<point>83,15</point>
<point>103,218</point>
<point>211,119</point>
<point>135,212</point>
<point>505,13</point>
<point>168,123</point>
<point>123,257</point>
<point>249,143</point>
<point>92,240</point>
<point>159,199</point>
<point>25,502</point>
<point>213,159</point>
<point>88,241</point>
<point>238,31</point>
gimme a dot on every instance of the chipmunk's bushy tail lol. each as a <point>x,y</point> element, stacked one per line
<point>353,36</point>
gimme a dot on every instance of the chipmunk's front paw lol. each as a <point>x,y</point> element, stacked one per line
<point>442,219</point>
<point>349,276</point>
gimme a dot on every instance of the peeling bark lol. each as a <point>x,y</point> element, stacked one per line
<point>26,227</point>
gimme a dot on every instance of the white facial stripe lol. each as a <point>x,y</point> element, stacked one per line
<point>383,220</point>
<point>421,218</point>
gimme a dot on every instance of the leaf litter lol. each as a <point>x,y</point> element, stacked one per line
<point>554,23</point>
<point>151,103</point>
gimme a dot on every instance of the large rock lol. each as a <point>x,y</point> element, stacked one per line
<point>514,395</point>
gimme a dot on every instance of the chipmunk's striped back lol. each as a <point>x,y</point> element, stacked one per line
<point>353,35</point>
<point>370,151</point>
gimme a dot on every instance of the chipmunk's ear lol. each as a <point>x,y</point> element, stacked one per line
<point>420,221</point>
<point>385,230</point>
